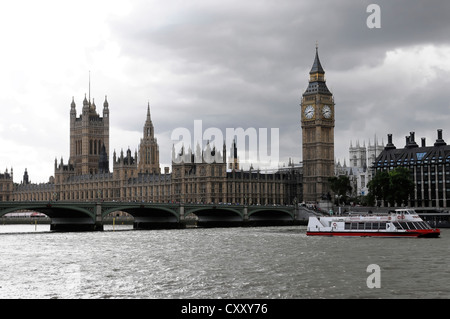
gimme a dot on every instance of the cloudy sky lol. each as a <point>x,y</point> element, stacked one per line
<point>228,63</point>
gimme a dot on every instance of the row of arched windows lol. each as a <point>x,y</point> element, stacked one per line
<point>95,147</point>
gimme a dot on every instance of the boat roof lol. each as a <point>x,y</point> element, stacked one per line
<point>397,210</point>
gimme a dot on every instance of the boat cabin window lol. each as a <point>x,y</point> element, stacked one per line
<point>365,226</point>
<point>411,225</point>
<point>426,225</point>
<point>420,225</point>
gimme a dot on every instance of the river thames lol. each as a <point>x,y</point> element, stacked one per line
<point>225,263</point>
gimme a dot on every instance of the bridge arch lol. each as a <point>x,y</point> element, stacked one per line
<point>270,216</point>
<point>51,210</point>
<point>147,216</point>
<point>212,216</point>
<point>141,210</point>
<point>64,216</point>
<point>219,209</point>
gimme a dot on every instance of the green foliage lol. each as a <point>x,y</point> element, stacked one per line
<point>393,187</point>
<point>340,186</point>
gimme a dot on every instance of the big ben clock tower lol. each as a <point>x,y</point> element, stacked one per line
<point>317,134</point>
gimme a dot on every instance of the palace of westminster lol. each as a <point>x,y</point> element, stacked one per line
<point>87,175</point>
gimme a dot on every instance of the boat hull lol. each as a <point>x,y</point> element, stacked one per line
<point>426,233</point>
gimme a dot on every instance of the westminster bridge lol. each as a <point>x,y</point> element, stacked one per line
<point>79,216</point>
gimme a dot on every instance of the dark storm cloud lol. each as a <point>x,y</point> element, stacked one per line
<point>246,65</point>
<point>241,38</point>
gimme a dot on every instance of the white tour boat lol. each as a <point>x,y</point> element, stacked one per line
<point>398,223</point>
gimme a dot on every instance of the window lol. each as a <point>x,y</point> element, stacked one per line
<point>418,225</point>
<point>425,225</point>
<point>411,225</point>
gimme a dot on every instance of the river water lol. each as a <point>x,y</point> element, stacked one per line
<point>260,262</point>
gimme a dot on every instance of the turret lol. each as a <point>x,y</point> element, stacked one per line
<point>73,111</point>
<point>105,108</point>
<point>148,126</point>
<point>26,180</point>
<point>85,104</point>
<point>92,107</point>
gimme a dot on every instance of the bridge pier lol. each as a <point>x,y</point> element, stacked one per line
<point>181,213</point>
<point>76,227</point>
<point>157,225</point>
<point>98,217</point>
<point>75,224</point>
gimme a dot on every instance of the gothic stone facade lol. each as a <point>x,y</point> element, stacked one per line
<point>358,170</point>
<point>137,177</point>
<point>317,134</point>
<point>203,178</point>
<point>6,185</point>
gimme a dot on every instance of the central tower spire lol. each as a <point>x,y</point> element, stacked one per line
<point>148,148</point>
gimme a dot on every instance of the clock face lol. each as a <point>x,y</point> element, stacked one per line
<point>309,112</point>
<point>326,111</point>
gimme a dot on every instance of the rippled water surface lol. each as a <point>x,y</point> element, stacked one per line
<point>266,262</point>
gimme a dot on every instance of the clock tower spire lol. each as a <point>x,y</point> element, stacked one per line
<point>317,134</point>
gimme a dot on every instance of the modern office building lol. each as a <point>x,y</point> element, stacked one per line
<point>429,167</point>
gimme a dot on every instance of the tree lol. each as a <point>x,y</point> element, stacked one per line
<point>393,187</point>
<point>340,186</point>
<point>401,185</point>
<point>379,186</point>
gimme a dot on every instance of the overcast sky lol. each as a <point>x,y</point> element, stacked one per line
<point>228,63</point>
